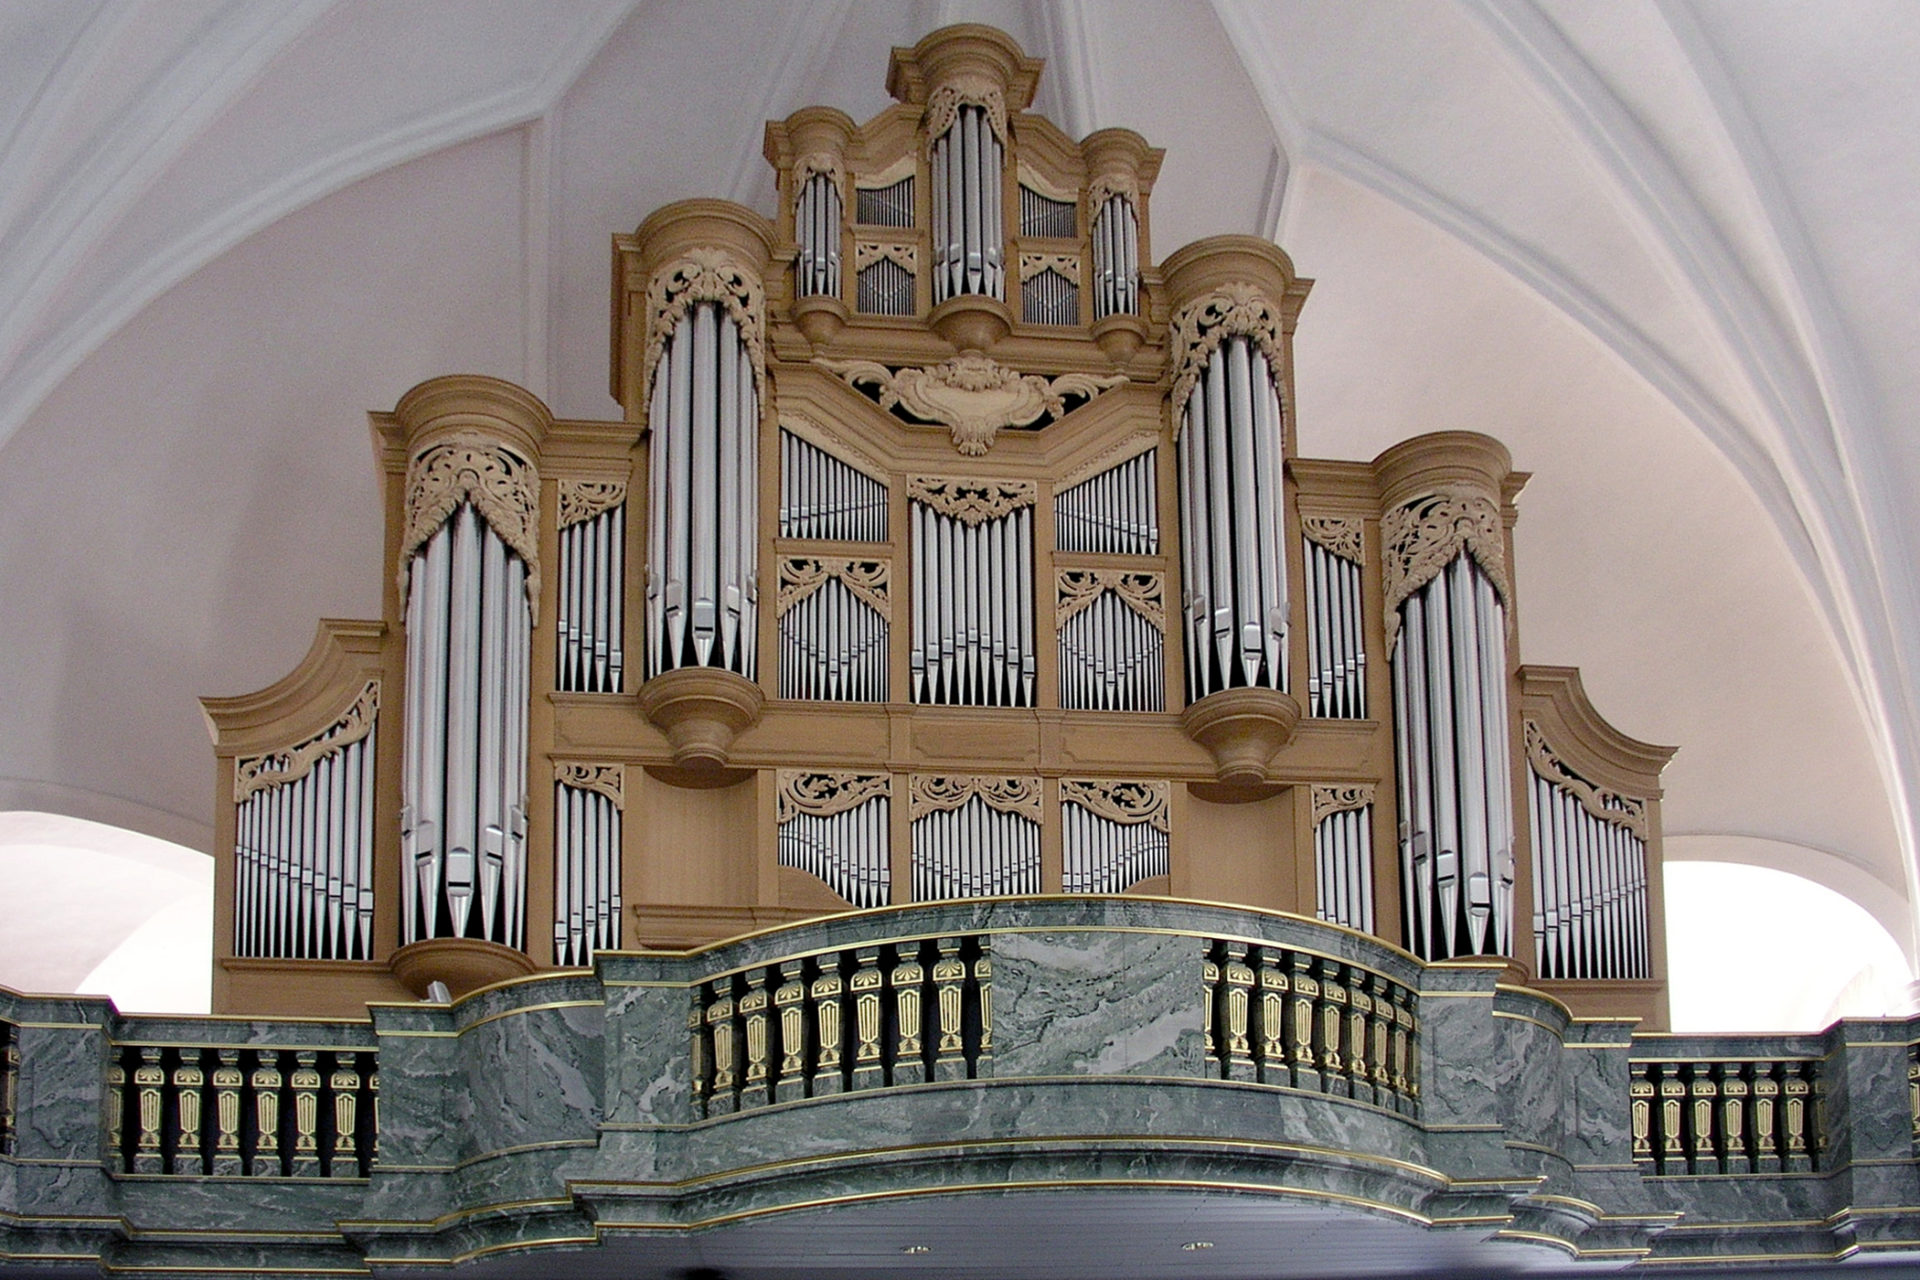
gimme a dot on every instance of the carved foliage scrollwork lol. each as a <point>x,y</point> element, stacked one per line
<point>1107,186</point>
<point>1237,309</point>
<point>1064,265</point>
<point>971,395</point>
<point>1418,539</point>
<point>972,502</point>
<point>608,780</point>
<point>867,580</point>
<point>827,793</point>
<point>1338,534</point>
<point>818,164</point>
<point>257,773</point>
<point>1340,798</point>
<point>582,500</point>
<point>868,252</point>
<point>939,793</point>
<point>1608,806</point>
<point>502,486</point>
<point>704,275</point>
<point>1126,802</point>
<point>1143,593</point>
<point>944,103</point>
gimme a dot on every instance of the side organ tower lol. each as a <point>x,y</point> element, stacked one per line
<point>950,545</point>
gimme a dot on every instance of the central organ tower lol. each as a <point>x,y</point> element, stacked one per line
<point>950,545</point>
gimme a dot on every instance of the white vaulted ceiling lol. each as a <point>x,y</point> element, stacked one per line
<point>1665,249</point>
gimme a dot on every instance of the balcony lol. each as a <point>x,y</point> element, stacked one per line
<point>1012,1085</point>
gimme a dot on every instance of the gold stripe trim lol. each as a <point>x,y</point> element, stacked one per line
<point>1521,1017</point>
<point>440,1223</point>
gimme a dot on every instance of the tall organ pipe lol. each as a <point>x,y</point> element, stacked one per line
<point>702,560</point>
<point>1116,258</point>
<point>967,163</point>
<point>1232,549</point>
<point>463,826</point>
<point>816,224</point>
<point>1449,669</point>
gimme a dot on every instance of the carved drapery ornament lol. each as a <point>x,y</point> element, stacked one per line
<point>944,103</point>
<point>1419,539</point>
<point>866,580</point>
<point>1608,806</point>
<point>1144,593</point>
<point>502,486</point>
<point>1341,798</point>
<point>608,780</point>
<point>972,502</point>
<point>1341,535</point>
<point>970,394</point>
<point>704,275</point>
<point>274,768</point>
<point>1107,186</point>
<point>825,793</point>
<point>1121,801</point>
<point>816,164</point>
<point>1237,309</point>
<point>941,793</point>
<point>1064,265</point>
<point>582,500</point>
<point>868,252</point>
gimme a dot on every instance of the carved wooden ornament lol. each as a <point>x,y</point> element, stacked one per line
<point>502,486</point>
<point>582,500</point>
<point>944,103</point>
<point>1338,534</point>
<point>1342,798</point>
<point>608,780</point>
<point>825,793</point>
<point>704,275</point>
<point>1420,538</point>
<point>1237,309</point>
<point>867,580</point>
<point>257,773</point>
<point>940,793</point>
<point>972,502</point>
<point>971,395</point>
<point>1608,806</point>
<point>1140,592</point>
<point>1125,802</point>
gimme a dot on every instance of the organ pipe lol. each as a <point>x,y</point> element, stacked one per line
<point>1113,513</point>
<point>967,163</point>
<point>703,553</point>
<point>972,575</point>
<point>837,826</point>
<point>463,828</point>
<point>586,862</point>
<point>816,225</point>
<point>1113,834</point>
<point>1589,874</point>
<point>823,497</point>
<point>974,837</point>
<point>1343,855</point>
<point>1233,561</point>
<point>1116,258</point>
<point>833,625</point>
<point>1449,670</point>
<point>1336,645</point>
<point>590,626</point>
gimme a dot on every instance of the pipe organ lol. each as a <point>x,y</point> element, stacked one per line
<point>995,669</point>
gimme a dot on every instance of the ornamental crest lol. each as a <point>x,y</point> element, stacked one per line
<point>865,580</point>
<point>823,794</point>
<point>971,395</point>
<point>608,780</point>
<point>1124,802</point>
<point>275,768</point>
<point>582,500</point>
<point>944,103</point>
<point>1421,538</point>
<point>502,486</point>
<point>972,502</point>
<point>1329,800</point>
<point>1237,309</point>
<point>704,275</point>
<point>1339,534</point>
<point>1140,592</point>
<point>1608,806</point>
<point>942,793</point>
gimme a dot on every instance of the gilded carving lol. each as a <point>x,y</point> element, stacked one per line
<point>1124,802</point>
<point>1418,539</point>
<point>608,780</point>
<point>582,500</point>
<point>971,395</point>
<point>823,794</point>
<point>944,103</point>
<point>867,580</point>
<point>502,486</point>
<point>1141,592</point>
<point>868,252</point>
<point>1108,185</point>
<point>704,275</point>
<point>1338,534</point>
<point>1064,265</point>
<point>257,773</point>
<point>1608,806</point>
<point>940,793</point>
<point>1237,309</point>
<point>818,164</point>
<point>972,502</point>
<point>1342,798</point>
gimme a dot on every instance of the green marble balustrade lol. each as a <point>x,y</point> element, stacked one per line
<point>1005,1045</point>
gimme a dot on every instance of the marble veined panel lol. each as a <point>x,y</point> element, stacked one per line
<point>1096,1004</point>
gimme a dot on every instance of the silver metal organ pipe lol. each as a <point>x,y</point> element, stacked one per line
<point>817,218</point>
<point>1343,846</point>
<point>586,870</point>
<point>966,163</point>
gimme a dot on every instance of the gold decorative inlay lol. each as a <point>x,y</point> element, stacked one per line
<point>1141,592</point>
<point>942,793</point>
<point>257,773</point>
<point>971,395</point>
<point>972,502</point>
<point>1329,800</point>
<point>1338,534</point>
<point>1419,539</point>
<point>582,500</point>
<point>866,580</point>
<point>608,780</point>
<point>1119,800</point>
<point>1608,806</point>
<point>825,793</point>
<point>502,486</point>
<point>1237,309</point>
